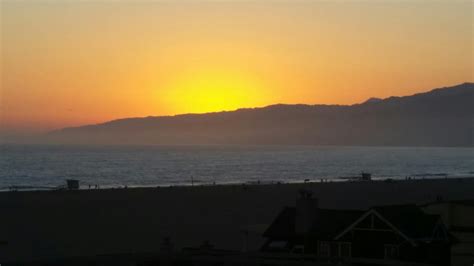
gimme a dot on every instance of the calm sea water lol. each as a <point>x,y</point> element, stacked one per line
<point>115,166</point>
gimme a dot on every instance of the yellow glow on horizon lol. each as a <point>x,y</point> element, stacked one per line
<point>204,91</point>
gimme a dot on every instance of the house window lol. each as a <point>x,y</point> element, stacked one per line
<point>324,249</point>
<point>298,249</point>
<point>391,251</point>
<point>345,250</point>
<point>277,244</point>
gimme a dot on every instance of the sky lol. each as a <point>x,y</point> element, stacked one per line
<point>69,63</point>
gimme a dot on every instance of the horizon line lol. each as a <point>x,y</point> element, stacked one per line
<point>259,107</point>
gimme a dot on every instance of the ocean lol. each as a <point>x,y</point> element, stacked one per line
<point>42,166</point>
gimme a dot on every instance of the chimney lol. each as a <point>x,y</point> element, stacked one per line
<point>306,207</point>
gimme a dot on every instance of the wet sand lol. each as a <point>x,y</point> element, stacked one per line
<point>48,224</point>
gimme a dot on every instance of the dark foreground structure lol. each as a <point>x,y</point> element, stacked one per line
<point>393,234</point>
<point>242,225</point>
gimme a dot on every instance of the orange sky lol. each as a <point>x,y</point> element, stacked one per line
<point>68,63</point>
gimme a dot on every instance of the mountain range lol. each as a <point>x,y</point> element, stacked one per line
<point>441,117</point>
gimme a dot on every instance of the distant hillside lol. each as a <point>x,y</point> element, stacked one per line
<point>441,117</point>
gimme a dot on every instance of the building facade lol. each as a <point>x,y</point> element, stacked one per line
<point>381,235</point>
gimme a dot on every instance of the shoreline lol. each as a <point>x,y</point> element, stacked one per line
<point>413,178</point>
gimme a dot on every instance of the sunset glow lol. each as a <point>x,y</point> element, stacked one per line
<point>211,91</point>
<point>71,63</point>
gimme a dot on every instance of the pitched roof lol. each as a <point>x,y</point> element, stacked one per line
<point>284,224</point>
<point>330,222</point>
<point>327,224</point>
<point>410,220</point>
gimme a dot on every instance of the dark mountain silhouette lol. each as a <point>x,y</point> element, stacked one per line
<point>441,117</point>
<point>373,100</point>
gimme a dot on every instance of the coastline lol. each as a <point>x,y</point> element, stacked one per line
<point>198,183</point>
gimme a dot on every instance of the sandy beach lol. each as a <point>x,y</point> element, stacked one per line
<point>48,224</point>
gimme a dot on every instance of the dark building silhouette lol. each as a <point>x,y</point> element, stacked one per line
<point>458,216</point>
<point>402,233</point>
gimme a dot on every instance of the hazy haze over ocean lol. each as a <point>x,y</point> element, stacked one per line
<point>114,166</point>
